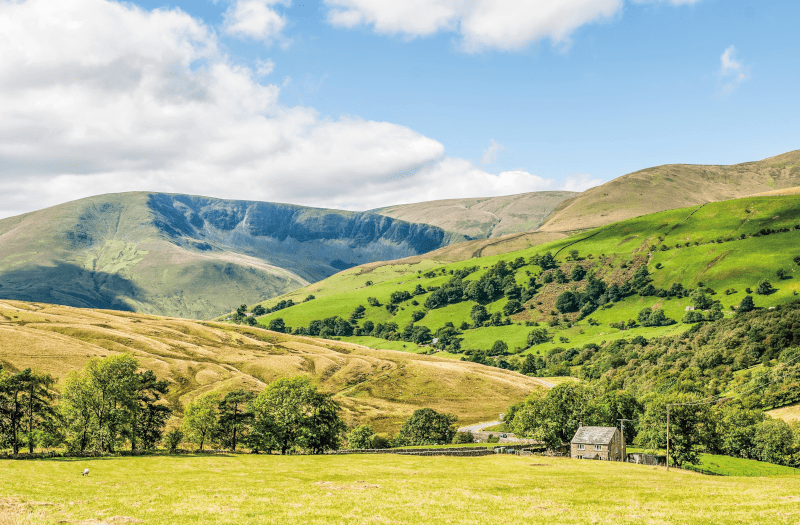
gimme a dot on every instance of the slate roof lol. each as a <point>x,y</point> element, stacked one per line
<point>594,435</point>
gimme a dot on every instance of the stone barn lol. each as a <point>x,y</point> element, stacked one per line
<point>605,443</point>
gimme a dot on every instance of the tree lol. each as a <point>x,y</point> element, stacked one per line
<point>234,417</point>
<point>578,273</point>
<point>554,418</point>
<point>463,437</point>
<point>148,416</point>
<point>75,406</point>
<point>511,307</point>
<point>427,427</point>
<point>764,287</point>
<point>259,310</point>
<point>499,348</point>
<point>290,414</point>
<point>701,300</point>
<point>781,273</point>
<point>747,305</point>
<point>573,254</point>
<point>277,325</point>
<point>360,437</point>
<point>399,296</point>
<point>567,302</point>
<point>200,418</point>
<point>479,315</point>
<point>173,438</point>
<point>12,409</point>
<point>113,384</point>
<point>537,336</point>
<point>691,427</point>
<point>772,441</point>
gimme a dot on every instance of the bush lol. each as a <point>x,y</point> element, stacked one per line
<point>173,438</point>
<point>511,307</point>
<point>417,315</point>
<point>499,348</point>
<point>764,287</point>
<point>463,437</point>
<point>537,336</point>
<point>493,439</point>
<point>259,310</point>
<point>567,302</point>
<point>372,301</point>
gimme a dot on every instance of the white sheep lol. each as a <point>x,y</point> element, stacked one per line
<point>86,472</point>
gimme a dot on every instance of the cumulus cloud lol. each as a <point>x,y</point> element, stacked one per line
<point>130,100</point>
<point>490,153</point>
<point>482,24</point>
<point>731,71</point>
<point>256,19</point>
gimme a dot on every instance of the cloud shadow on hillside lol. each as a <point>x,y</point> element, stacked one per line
<point>69,285</point>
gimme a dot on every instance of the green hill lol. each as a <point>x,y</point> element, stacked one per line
<point>188,256</point>
<point>379,387</point>
<point>723,248</point>
<point>483,217</point>
<point>672,186</point>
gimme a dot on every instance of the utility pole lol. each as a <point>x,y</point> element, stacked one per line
<point>668,437</point>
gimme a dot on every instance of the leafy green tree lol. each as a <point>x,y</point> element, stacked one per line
<point>555,416</point>
<point>691,427</point>
<point>538,336</point>
<point>277,325</point>
<point>511,307</point>
<point>372,301</point>
<point>357,313</point>
<point>701,300</point>
<point>148,417</point>
<point>640,277</point>
<point>360,437</point>
<point>234,418</point>
<point>290,413</point>
<point>499,348</point>
<point>200,418</point>
<point>427,427</point>
<point>773,441</point>
<point>173,439</point>
<point>463,437</point>
<point>578,273</point>
<point>259,310</point>
<point>113,382</point>
<point>399,296</point>
<point>567,302</point>
<point>479,315</point>
<point>764,287</point>
<point>76,409</point>
<point>747,305</point>
<point>573,254</point>
<point>736,429</point>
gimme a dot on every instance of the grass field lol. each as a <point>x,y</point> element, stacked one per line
<point>365,489</point>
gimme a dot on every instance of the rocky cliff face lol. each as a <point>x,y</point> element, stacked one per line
<point>312,242</point>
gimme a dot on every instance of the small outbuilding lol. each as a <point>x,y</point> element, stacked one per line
<point>604,443</point>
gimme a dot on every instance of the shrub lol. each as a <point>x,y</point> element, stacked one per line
<point>173,438</point>
<point>463,437</point>
<point>764,287</point>
<point>537,336</point>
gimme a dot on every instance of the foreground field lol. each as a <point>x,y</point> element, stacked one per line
<point>382,489</point>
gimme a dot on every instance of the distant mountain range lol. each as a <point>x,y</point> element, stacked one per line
<point>198,257</point>
<point>189,256</point>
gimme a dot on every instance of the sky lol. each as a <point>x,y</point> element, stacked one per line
<point>358,104</point>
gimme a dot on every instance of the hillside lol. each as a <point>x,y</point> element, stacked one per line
<point>672,186</point>
<point>379,387</point>
<point>483,217</point>
<point>190,256</point>
<point>722,249</point>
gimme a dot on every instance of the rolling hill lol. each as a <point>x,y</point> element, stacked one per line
<point>672,186</point>
<point>727,246</point>
<point>190,256</point>
<point>484,217</point>
<point>378,387</point>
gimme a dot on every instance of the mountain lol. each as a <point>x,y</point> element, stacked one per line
<point>484,217</point>
<point>379,387</point>
<point>189,256</point>
<point>672,186</point>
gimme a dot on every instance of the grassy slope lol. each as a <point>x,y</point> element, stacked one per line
<point>483,217</point>
<point>672,186</point>
<point>106,252</point>
<point>374,386</point>
<point>361,489</point>
<point>735,264</point>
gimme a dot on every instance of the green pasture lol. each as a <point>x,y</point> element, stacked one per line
<point>362,489</point>
<point>732,265</point>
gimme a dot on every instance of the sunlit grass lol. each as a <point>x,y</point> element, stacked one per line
<point>360,489</point>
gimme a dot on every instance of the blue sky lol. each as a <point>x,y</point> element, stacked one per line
<point>354,95</point>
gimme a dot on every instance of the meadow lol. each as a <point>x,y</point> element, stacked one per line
<point>361,489</point>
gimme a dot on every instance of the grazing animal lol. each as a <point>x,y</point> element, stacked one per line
<point>86,472</point>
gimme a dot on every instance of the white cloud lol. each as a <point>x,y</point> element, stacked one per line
<point>580,182</point>
<point>490,153</point>
<point>255,19</point>
<point>264,67</point>
<point>731,71</point>
<point>130,99</point>
<point>482,24</point>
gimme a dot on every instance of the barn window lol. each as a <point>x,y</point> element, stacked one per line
<point>598,447</point>
<point>581,447</point>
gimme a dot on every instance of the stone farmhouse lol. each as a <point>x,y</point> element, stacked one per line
<point>605,443</point>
